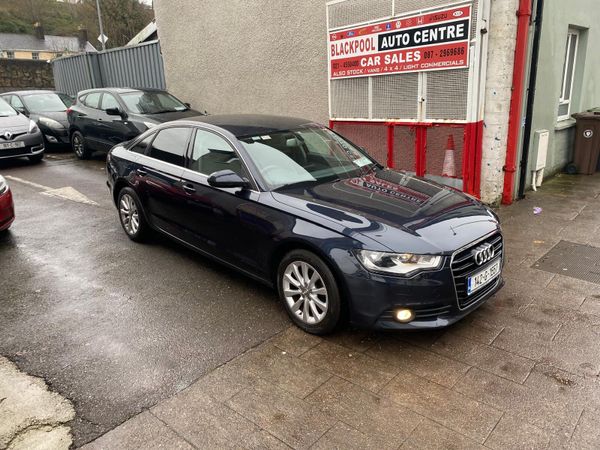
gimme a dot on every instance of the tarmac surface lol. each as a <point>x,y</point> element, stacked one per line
<point>112,325</point>
<point>196,356</point>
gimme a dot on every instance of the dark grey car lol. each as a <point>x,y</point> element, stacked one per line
<point>19,135</point>
<point>48,109</point>
<point>102,118</point>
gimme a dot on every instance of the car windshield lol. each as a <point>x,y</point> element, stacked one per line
<point>47,102</point>
<point>141,102</point>
<point>307,155</point>
<point>5,109</point>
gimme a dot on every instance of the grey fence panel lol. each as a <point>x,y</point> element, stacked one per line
<point>137,66</point>
<point>73,74</point>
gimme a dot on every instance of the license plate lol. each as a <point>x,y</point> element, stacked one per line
<point>16,144</point>
<point>483,277</point>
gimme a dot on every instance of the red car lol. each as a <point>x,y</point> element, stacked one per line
<point>7,208</point>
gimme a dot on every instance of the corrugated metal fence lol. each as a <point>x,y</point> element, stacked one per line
<point>136,66</point>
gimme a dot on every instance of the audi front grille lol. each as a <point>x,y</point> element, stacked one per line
<point>464,265</point>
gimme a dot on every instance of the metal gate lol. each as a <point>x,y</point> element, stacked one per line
<point>408,120</point>
<point>135,66</point>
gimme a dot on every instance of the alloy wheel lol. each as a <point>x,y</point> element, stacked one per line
<point>129,214</point>
<point>305,292</point>
<point>78,145</point>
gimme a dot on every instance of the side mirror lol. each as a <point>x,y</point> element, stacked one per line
<point>115,112</point>
<point>227,179</point>
<point>188,105</point>
<point>22,111</point>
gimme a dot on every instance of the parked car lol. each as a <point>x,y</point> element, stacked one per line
<point>299,207</point>
<point>7,208</point>
<point>19,135</point>
<point>46,108</point>
<point>102,118</point>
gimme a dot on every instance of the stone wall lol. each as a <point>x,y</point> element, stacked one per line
<point>22,74</point>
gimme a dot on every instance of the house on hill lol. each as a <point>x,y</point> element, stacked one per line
<point>40,46</point>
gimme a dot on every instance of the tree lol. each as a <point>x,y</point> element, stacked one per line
<point>122,19</point>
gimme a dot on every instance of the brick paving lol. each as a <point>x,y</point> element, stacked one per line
<point>523,371</point>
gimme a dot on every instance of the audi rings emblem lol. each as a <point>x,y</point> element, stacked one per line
<point>483,254</point>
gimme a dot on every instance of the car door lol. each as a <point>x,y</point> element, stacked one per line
<point>114,129</point>
<point>158,174</point>
<point>227,222</point>
<point>86,118</point>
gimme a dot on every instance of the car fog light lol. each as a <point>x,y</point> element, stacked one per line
<point>405,315</point>
<point>51,139</point>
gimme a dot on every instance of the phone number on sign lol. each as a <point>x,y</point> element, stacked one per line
<point>444,53</point>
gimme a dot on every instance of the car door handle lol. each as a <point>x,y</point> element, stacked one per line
<point>141,172</point>
<point>189,188</point>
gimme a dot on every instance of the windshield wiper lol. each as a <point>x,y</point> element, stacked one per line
<point>163,111</point>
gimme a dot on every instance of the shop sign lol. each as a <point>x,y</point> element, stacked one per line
<point>433,41</point>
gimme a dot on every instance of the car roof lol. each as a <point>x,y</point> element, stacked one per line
<point>241,125</point>
<point>31,91</point>
<point>119,90</point>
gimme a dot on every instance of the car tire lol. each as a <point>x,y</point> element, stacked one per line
<point>78,145</point>
<point>304,280</point>
<point>35,159</point>
<point>131,215</point>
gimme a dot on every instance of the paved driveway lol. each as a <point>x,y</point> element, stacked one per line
<point>521,372</point>
<point>196,356</point>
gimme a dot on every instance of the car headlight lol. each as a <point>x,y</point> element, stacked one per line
<point>3,185</point>
<point>149,125</point>
<point>50,123</point>
<point>397,263</point>
<point>33,128</point>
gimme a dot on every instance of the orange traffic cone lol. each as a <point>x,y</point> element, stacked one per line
<point>449,169</point>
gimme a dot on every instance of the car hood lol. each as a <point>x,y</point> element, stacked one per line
<point>59,116</point>
<point>168,116</point>
<point>14,123</point>
<point>401,212</point>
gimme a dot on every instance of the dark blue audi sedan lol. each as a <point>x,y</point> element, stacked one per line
<point>299,207</point>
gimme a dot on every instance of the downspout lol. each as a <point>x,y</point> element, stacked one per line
<point>535,53</point>
<point>516,101</point>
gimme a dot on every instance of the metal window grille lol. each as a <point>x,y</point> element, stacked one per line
<point>405,120</point>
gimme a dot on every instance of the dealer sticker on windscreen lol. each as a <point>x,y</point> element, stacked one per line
<point>483,277</point>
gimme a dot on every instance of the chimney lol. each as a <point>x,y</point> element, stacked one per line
<point>82,36</point>
<point>38,30</point>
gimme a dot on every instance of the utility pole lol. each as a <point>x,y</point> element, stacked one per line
<point>102,41</point>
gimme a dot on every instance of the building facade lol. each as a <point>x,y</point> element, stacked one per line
<point>460,117</point>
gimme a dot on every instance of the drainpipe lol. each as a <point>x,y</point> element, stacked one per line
<point>516,101</point>
<point>535,53</point>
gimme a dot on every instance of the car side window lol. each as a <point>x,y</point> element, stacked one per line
<point>16,102</point>
<point>142,145</point>
<point>212,153</point>
<point>109,101</point>
<point>92,99</point>
<point>170,145</point>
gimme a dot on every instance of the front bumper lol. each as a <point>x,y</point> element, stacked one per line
<point>433,296</point>
<point>7,210</point>
<point>33,145</point>
<point>55,136</point>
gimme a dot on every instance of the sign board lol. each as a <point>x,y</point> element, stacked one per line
<point>103,38</point>
<point>433,41</point>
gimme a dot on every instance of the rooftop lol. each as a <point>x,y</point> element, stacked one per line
<point>15,41</point>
